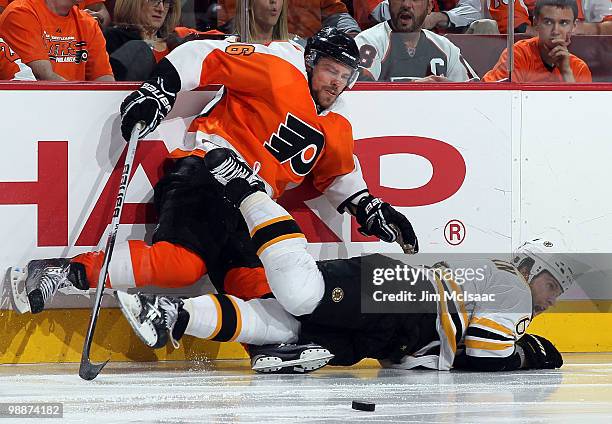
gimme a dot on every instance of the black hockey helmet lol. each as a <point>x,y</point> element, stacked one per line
<point>331,42</point>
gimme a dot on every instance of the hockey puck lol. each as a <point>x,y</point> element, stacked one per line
<point>363,406</point>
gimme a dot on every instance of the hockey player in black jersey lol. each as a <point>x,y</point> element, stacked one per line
<point>320,302</point>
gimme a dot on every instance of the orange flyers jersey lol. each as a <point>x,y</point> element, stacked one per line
<point>265,112</point>
<point>529,67</point>
<point>11,66</point>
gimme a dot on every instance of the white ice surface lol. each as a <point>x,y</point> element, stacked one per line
<point>227,392</point>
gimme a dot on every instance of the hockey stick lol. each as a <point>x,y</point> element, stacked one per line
<point>88,370</point>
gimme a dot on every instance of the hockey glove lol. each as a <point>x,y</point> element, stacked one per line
<point>149,104</point>
<point>380,219</point>
<point>539,352</point>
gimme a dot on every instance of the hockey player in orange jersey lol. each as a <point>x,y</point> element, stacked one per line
<point>277,107</point>
<point>476,318</point>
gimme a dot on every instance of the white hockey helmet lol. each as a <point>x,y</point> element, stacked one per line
<point>544,254</point>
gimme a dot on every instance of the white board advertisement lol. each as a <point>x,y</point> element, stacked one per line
<point>444,158</point>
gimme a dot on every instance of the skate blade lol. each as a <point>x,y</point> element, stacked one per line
<point>17,277</point>
<point>310,360</point>
<point>131,314</point>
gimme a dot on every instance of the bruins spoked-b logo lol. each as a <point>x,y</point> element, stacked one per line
<point>296,142</point>
<point>337,294</point>
<point>521,325</point>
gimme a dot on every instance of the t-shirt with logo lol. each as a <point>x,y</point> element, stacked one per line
<point>11,66</point>
<point>529,67</point>
<point>265,112</point>
<point>74,43</point>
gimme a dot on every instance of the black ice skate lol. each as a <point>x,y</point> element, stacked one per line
<point>33,286</point>
<point>154,318</point>
<point>288,358</point>
<point>233,173</point>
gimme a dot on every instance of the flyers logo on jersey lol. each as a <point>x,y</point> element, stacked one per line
<point>7,52</point>
<point>296,142</point>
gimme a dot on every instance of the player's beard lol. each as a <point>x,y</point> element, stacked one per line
<point>325,97</point>
<point>415,23</point>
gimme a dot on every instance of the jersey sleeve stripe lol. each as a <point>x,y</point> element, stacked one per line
<point>486,322</point>
<point>485,334</point>
<point>482,345</point>
<point>464,314</point>
<point>188,60</point>
<point>447,327</point>
<point>452,310</point>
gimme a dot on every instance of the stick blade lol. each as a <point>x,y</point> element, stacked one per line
<point>89,371</point>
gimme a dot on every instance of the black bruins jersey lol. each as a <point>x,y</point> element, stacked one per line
<point>430,337</point>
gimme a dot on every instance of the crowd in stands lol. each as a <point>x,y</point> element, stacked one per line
<point>399,40</point>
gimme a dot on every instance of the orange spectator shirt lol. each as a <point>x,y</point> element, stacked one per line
<point>499,11</point>
<point>11,66</point>
<point>82,5</point>
<point>529,67</point>
<point>74,44</point>
<point>266,113</point>
<point>304,16</point>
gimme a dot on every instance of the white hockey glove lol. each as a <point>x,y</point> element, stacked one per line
<point>380,219</point>
<point>150,104</point>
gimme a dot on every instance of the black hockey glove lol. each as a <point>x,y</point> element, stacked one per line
<point>378,218</point>
<point>149,104</point>
<point>539,352</point>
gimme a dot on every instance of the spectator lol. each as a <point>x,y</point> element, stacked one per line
<point>95,8</point>
<point>145,31</point>
<point>545,58</point>
<point>267,20</point>
<point>596,17</point>
<point>401,50</point>
<point>149,21</point>
<point>305,17</point>
<point>453,15</point>
<point>11,66</point>
<point>56,40</point>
